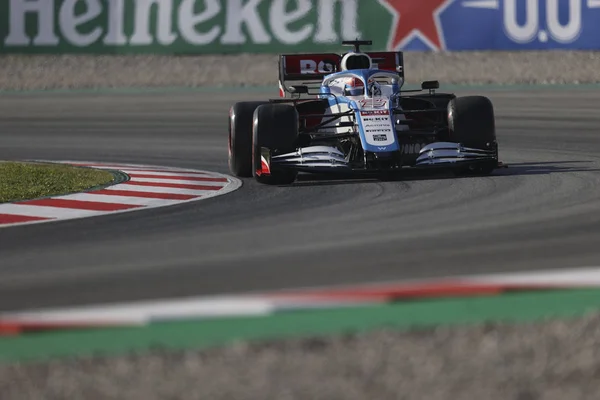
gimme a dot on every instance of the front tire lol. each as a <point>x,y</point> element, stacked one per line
<point>472,123</point>
<point>240,137</point>
<point>275,127</point>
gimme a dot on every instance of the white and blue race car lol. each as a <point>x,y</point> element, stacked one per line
<point>348,113</point>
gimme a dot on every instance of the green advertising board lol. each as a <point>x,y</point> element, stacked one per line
<point>189,26</point>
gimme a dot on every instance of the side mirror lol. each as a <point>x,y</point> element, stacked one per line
<point>430,85</point>
<point>300,89</point>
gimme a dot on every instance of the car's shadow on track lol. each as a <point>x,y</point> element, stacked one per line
<point>546,167</point>
<point>515,169</point>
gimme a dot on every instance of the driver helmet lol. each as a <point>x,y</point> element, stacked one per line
<point>354,87</point>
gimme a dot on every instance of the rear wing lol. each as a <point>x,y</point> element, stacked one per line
<point>313,68</point>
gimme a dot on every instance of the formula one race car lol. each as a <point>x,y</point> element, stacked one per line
<point>356,118</point>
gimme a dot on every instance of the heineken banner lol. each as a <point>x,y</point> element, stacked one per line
<point>275,26</point>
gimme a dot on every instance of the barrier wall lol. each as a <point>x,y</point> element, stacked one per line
<point>274,26</point>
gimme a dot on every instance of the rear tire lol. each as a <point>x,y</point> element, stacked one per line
<point>471,122</point>
<point>275,127</point>
<point>240,138</point>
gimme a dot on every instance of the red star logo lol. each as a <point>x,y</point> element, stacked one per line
<point>419,18</point>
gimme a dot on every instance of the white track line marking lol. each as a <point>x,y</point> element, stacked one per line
<point>45,212</point>
<point>580,277</point>
<point>157,189</point>
<point>105,198</point>
<point>178,181</point>
<point>140,168</point>
<point>123,167</point>
<point>159,173</point>
<point>142,312</point>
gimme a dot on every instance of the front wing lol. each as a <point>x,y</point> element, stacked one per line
<point>330,159</point>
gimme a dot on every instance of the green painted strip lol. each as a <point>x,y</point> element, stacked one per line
<point>274,90</point>
<point>202,334</point>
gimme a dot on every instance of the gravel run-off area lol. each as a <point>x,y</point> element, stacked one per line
<point>552,360</point>
<point>27,72</point>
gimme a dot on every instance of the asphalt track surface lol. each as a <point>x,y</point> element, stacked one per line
<point>541,213</point>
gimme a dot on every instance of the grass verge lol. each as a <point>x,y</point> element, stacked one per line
<point>22,181</point>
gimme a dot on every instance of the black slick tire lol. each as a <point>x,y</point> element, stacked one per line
<point>240,138</point>
<point>275,127</point>
<point>472,123</point>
